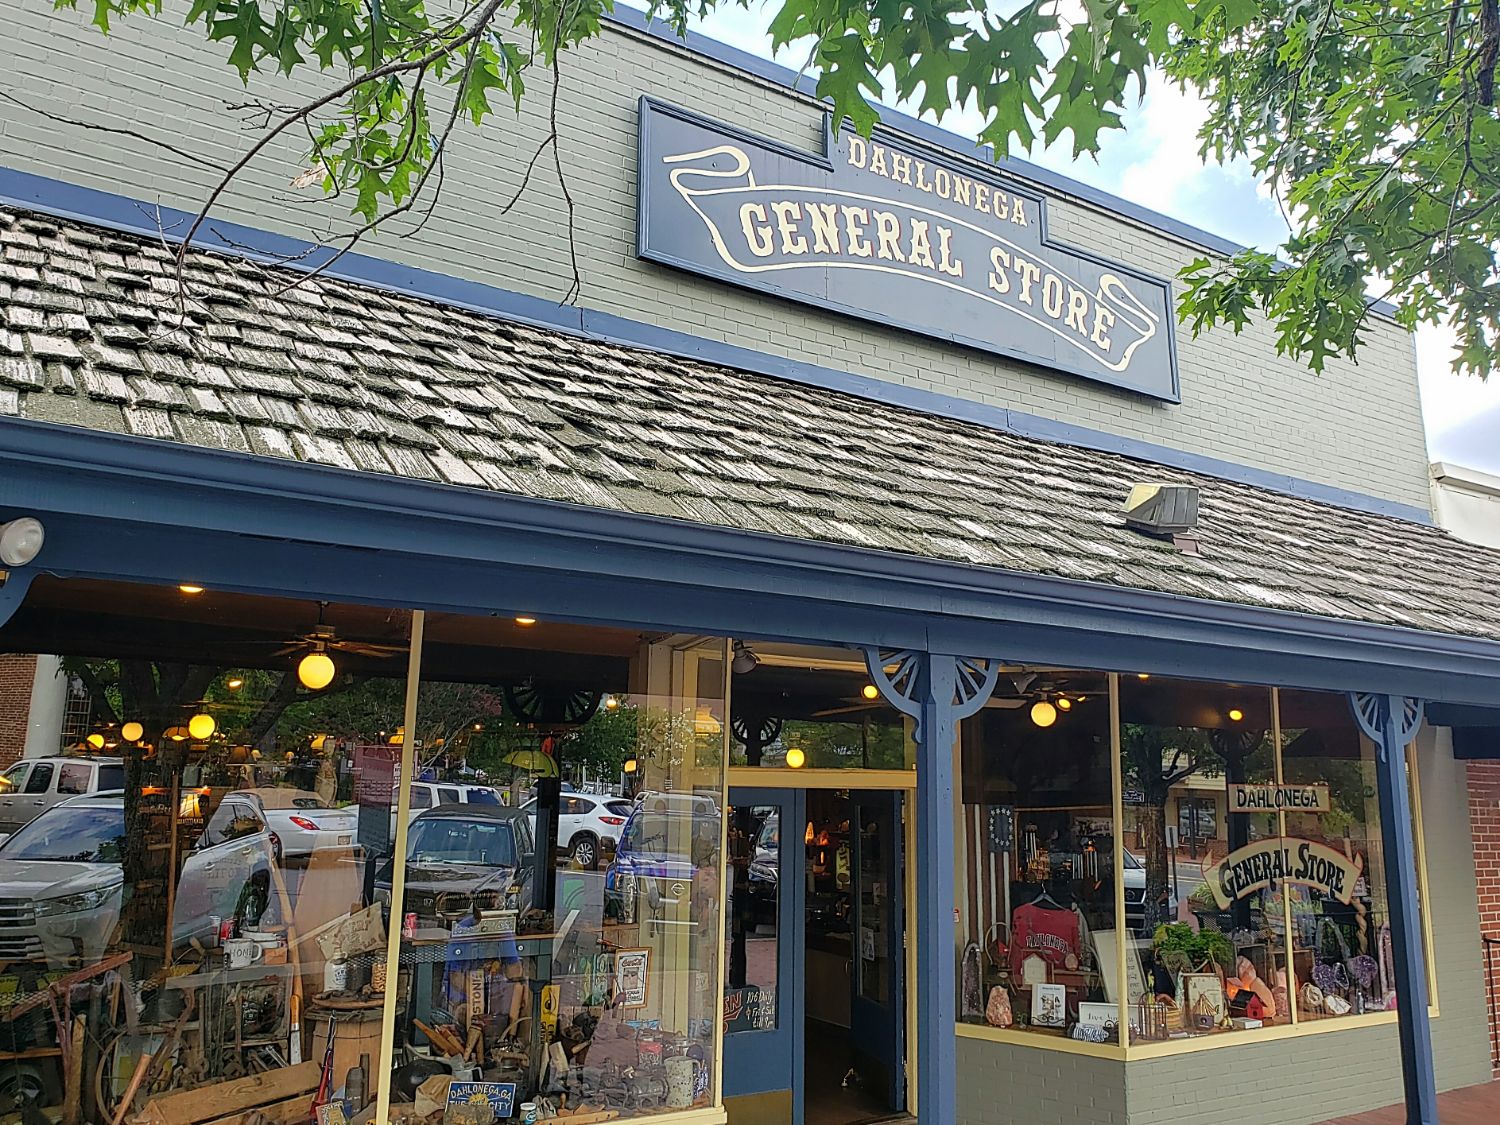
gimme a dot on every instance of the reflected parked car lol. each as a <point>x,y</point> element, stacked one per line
<point>461,859</point>
<point>586,823</point>
<point>1135,895</point>
<point>33,785</point>
<point>660,848</point>
<point>61,879</point>
<point>303,821</point>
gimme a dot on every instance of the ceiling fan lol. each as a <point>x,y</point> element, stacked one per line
<point>322,637</point>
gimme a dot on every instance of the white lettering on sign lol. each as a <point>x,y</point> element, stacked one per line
<point>1284,859</point>
<point>1278,798</point>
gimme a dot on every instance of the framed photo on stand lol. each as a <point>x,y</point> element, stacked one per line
<point>1049,1005</point>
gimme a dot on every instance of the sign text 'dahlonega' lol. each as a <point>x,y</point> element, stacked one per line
<point>896,236</point>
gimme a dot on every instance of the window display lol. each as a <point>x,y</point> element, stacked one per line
<point>1037,888</point>
<point>1252,867</point>
<point>183,914</point>
<point>1212,938</point>
<point>554,953</point>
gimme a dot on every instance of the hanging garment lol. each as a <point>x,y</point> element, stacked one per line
<point>1050,934</point>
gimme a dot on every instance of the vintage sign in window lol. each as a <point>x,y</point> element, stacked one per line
<point>882,229</point>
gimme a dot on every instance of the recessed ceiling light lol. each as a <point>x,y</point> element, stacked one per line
<point>526,621</point>
<point>189,588</point>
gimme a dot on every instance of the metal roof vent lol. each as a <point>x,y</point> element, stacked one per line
<point>1164,510</point>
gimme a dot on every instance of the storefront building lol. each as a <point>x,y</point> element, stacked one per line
<point>1026,714</point>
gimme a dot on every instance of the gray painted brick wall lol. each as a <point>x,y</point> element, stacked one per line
<point>1001,1084</point>
<point>1352,427</point>
<point>1299,1081</point>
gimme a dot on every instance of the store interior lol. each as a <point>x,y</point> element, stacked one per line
<point>215,912</point>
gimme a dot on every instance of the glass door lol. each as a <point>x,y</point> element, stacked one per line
<point>763,1031</point>
<point>878,1004</point>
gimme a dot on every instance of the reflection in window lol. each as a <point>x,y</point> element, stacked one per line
<point>1340,920</point>
<point>1199,767</point>
<point>192,846</point>
<point>1038,930</point>
<point>560,912</point>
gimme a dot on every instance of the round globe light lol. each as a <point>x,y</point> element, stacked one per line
<point>132,732</point>
<point>316,671</point>
<point>1043,714</point>
<point>202,727</point>
<point>795,758</point>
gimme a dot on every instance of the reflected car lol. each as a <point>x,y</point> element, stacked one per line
<point>1135,895</point>
<point>303,821</point>
<point>652,871</point>
<point>62,880</point>
<point>462,859</point>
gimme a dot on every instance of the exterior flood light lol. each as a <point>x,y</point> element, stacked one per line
<point>744,659</point>
<point>1162,509</point>
<point>21,541</point>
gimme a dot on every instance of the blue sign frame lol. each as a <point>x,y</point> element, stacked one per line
<point>890,231</point>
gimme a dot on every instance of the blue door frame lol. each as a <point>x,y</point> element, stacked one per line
<point>168,513</point>
<point>877,1029</point>
<point>762,1060</point>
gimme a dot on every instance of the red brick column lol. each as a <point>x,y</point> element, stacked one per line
<point>1484,818</point>
<point>17,674</point>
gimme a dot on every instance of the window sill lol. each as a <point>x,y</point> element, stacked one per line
<point>1137,1052</point>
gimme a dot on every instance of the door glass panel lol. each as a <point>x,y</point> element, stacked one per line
<point>874,976</point>
<point>752,940</point>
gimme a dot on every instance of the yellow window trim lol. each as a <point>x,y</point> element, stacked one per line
<point>782,777</point>
<point>1139,1052</point>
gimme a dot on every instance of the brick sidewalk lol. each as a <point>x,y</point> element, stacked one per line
<point>1472,1105</point>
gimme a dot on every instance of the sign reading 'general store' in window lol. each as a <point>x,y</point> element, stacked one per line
<point>883,230</point>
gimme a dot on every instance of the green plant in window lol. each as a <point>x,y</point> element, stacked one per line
<point>1181,948</point>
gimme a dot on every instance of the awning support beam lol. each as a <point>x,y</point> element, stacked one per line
<point>937,691</point>
<point>1391,722</point>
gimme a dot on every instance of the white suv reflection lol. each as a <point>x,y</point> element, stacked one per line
<point>61,879</point>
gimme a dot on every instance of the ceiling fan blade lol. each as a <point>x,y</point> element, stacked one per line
<point>844,710</point>
<point>360,648</point>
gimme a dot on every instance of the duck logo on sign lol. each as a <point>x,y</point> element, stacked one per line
<point>902,236</point>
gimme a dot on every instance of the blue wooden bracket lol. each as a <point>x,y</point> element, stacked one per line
<point>937,692</point>
<point>13,592</point>
<point>1391,722</point>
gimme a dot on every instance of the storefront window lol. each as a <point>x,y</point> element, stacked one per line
<point>1039,940</point>
<point>558,918</point>
<point>802,707</point>
<point>183,901</point>
<point>1199,765</point>
<point>1340,920</point>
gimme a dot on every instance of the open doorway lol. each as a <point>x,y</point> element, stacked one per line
<point>815,1001</point>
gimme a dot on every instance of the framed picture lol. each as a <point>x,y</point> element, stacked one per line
<point>1034,970</point>
<point>1049,1005</point>
<point>1107,959</point>
<point>1203,998</point>
<point>632,977</point>
<point>1095,1014</point>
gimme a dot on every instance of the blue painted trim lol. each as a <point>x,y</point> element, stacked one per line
<point>1392,721</point>
<point>898,122</point>
<point>937,1003</point>
<point>118,212</point>
<point>264,525</point>
<point>13,592</point>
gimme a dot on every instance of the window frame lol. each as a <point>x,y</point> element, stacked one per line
<point>1125,1050</point>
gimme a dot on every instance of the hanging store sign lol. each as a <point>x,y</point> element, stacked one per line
<point>1284,859</point>
<point>890,232</point>
<point>1278,798</point>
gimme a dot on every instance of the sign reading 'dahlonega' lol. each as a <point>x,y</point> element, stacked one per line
<point>1283,859</point>
<point>1279,798</point>
<point>892,233</point>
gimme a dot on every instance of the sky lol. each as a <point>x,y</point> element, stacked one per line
<point>1154,162</point>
